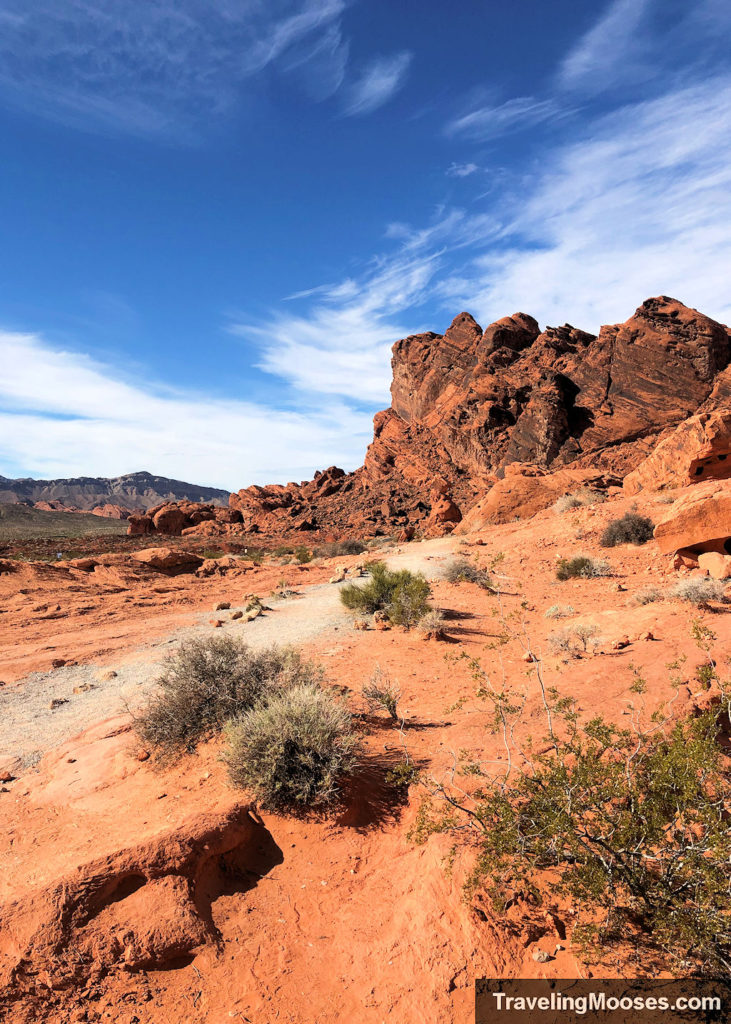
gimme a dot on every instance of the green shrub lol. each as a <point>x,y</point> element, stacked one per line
<point>402,595</point>
<point>303,555</point>
<point>581,566</point>
<point>631,825</point>
<point>292,751</point>
<point>206,682</point>
<point>631,528</point>
<point>461,570</point>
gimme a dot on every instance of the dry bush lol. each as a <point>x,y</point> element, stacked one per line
<point>206,682</point>
<point>461,570</point>
<point>336,549</point>
<point>292,751</point>
<point>380,692</point>
<point>575,640</point>
<point>560,611</point>
<point>582,567</point>
<point>647,595</point>
<point>584,496</point>
<point>631,528</point>
<point>698,590</point>
<point>432,622</point>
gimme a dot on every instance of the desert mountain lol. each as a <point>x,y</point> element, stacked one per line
<point>131,491</point>
<point>470,403</point>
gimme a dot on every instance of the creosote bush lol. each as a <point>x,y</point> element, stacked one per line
<point>293,750</point>
<point>583,567</point>
<point>630,822</point>
<point>206,682</point>
<point>402,595</point>
<point>631,528</point>
<point>698,590</point>
<point>461,570</point>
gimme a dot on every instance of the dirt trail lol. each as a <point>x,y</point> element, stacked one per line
<point>51,707</point>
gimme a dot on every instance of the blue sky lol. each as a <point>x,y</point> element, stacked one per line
<point>218,215</point>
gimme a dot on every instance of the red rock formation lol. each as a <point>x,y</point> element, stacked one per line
<point>177,517</point>
<point>698,450</point>
<point>469,403</point>
<point>700,520</point>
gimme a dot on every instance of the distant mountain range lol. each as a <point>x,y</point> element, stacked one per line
<point>132,491</point>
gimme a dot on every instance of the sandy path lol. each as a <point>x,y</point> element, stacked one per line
<point>51,707</point>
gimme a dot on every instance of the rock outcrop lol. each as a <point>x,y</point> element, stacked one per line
<point>470,403</point>
<point>700,520</point>
<point>698,450</point>
<point>177,517</point>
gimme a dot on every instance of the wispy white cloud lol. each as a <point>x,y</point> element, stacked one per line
<point>102,423</point>
<point>490,121</point>
<point>616,36</point>
<point>380,80</point>
<point>150,66</point>
<point>456,170</point>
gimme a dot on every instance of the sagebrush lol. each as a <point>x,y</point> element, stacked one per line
<point>292,751</point>
<point>461,570</point>
<point>208,681</point>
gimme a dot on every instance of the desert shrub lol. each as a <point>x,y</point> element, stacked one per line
<point>207,682</point>
<point>303,555</point>
<point>698,590</point>
<point>630,823</point>
<point>574,640</point>
<point>584,496</point>
<point>337,548</point>
<point>293,750</point>
<point>380,692</point>
<point>560,611</point>
<point>402,595</point>
<point>461,570</point>
<point>582,566</point>
<point>631,528</point>
<point>646,595</point>
<point>432,622</point>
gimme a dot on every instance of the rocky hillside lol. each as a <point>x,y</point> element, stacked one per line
<point>471,402</point>
<point>85,493</point>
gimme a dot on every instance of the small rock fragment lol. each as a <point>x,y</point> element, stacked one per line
<point>222,606</point>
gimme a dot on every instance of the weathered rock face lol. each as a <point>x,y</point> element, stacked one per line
<point>700,520</point>
<point>698,450</point>
<point>469,403</point>
<point>175,518</point>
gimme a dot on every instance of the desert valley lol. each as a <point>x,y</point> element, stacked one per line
<point>529,574</point>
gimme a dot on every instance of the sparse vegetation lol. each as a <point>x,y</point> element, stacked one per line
<point>698,590</point>
<point>647,595</point>
<point>560,611</point>
<point>380,692</point>
<point>461,570</point>
<point>631,528</point>
<point>584,496</point>
<point>402,595</point>
<point>575,640</point>
<point>209,681</point>
<point>293,750</point>
<point>340,547</point>
<point>631,824</point>
<point>303,555</point>
<point>582,567</point>
<point>432,623</point>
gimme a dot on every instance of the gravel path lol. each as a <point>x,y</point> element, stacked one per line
<point>51,707</point>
